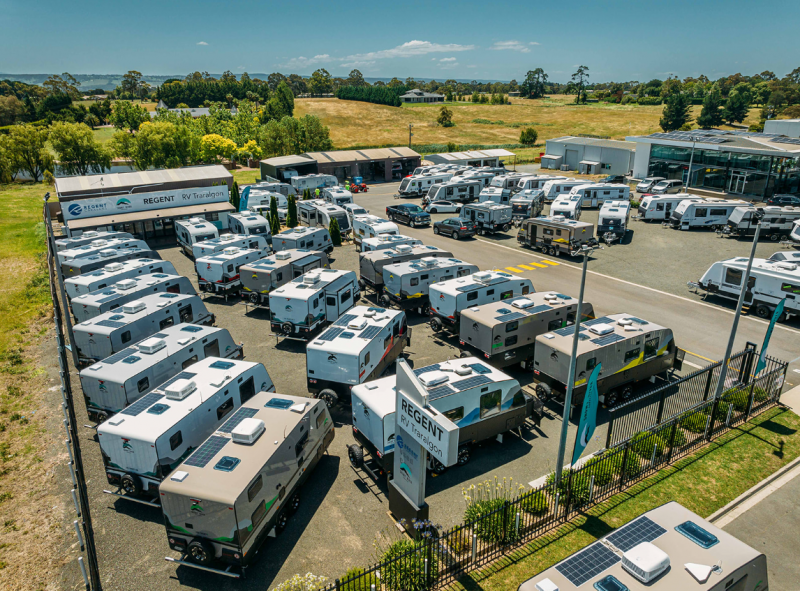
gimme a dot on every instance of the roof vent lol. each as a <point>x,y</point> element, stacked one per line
<point>227,237</point>
<point>624,322</point>
<point>113,267</point>
<point>248,431</point>
<point>311,278</point>
<point>523,303</point>
<point>464,370</point>
<point>90,234</point>
<point>645,561</point>
<point>134,307</point>
<point>99,243</point>
<point>196,221</point>
<point>283,255</point>
<point>125,284</point>
<point>151,345</point>
<point>180,389</point>
<point>602,328</point>
<point>369,314</point>
<point>358,324</point>
<point>786,266</point>
<point>433,378</point>
<point>484,277</point>
<point>108,252</point>
<point>230,251</point>
<point>429,261</point>
<point>546,585</point>
<point>559,218</point>
<point>403,248</point>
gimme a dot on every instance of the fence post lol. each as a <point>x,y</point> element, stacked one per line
<point>624,465</point>
<point>712,419</point>
<point>708,382</point>
<point>609,431</point>
<point>747,363</point>
<point>783,381</point>
<point>661,402</point>
<point>516,526</point>
<point>591,488</point>
<point>428,561</point>
<point>505,525</point>
<point>558,498</point>
<point>474,547</point>
<point>672,440</point>
<point>336,584</point>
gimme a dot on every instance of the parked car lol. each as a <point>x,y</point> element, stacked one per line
<point>408,213</point>
<point>784,200</point>
<point>667,187</point>
<point>456,228</point>
<point>443,207</point>
<point>646,185</point>
<point>615,178</point>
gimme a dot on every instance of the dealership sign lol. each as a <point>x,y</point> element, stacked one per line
<point>102,206</point>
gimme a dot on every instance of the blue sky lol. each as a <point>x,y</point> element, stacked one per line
<point>618,40</point>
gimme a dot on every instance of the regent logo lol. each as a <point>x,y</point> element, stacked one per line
<point>126,446</point>
<point>399,442</point>
<point>196,507</point>
<point>124,203</point>
<point>332,358</point>
<point>75,209</point>
<point>406,472</point>
<point>288,308</point>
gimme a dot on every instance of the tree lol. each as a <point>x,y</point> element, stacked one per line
<point>161,144</point>
<point>533,85</point>
<point>273,207</point>
<point>291,214</point>
<point>9,166</point>
<point>11,110</point>
<point>356,78</point>
<point>528,136</point>
<point>284,96</point>
<point>445,118</point>
<point>321,82</point>
<point>274,79</point>
<point>336,234</point>
<point>475,98</point>
<point>67,85</point>
<point>710,115</point>
<point>579,78</point>
<point>670,86</point>
<point>215,147</point>
<point>235,196</point>
<point>274,225</point>
<point>126,115</point>
<point>736,108</point>
<point>131,82</point>
<point>77,151</point>
<point>27,148</point>
<point>676,112</point>
<point>761,93</point>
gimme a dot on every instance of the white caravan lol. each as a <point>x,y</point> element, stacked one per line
<point>407,284</point>
<point>142,444</point>
<point>790,256</point>
<point>303,238</point>
<point>79,239</point>
<point>190,232</point>
<point>418,186</point>
<point>370,226</point>
<point>386,241</point>
<point>313,181</point>
<point>459,189</point>
<point>483,177</point>
<point>794,235</point>
<point>659,207</point>
<point>527,204</point>
<point>93,262</point>
<point>775,225</point>
<point>304,306</point>
<point>260,193</point>
<point>98,246</point>
<point>120,380</point>
<point>354,209</point>
<point>114,273</point>
<point>489,217</point>
<point>613,218</point>
<point>357,348</point>
<point>249,224</point>
<point>219,273</point>
<point>558,185</point>
<point>260,278</point>
<point>712,214</point>
<point>507,181</point>
<point>260,198</point>
<point>533,182</point>
<point>497,195</point>
<point>449,298</point>
<point>770,282</point>
<point>594,194</point>
<point>371,264</point>
<point>108,333</point>
<point>93,304</point>
<point>337,196</point>
<point>569,209</point>
<point>482,401</point>
<point>215,245</point>
<point>318,213</point>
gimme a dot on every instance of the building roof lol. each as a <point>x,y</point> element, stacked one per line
<point>473,154</point>
<point>138,216</point>
<point>281,161</point>
<point>361,155</point>
<point>765,144</point>
<point>140,181</point>
<point>416,93</point>
<point>592,141</point>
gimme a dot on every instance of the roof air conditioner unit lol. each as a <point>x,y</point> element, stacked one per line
<point>464,370</point>
<point>99,243</point>
<point>645,561</point>
<point>602,329</point>
<point>523,304</point>
<point>196,220</point>
<point>248,431</point>
<point>151,345</point>
<point>403,248</point>
<point>624,322</point>
<point>429,261</point>
<point>433,378</point>
<point>112,267</point>
<point>484,277</point>
<point>180,389</point>
<point>369,314</point>
<point>357,324</point>
<point>125,284</point>
<point>89,234</point>
<point>559,218</point>
<point>230,251</point>
<point>283,255</point>
<point>311,278</point>
<point>227,237</point>
<point>108,252</point>
<point>134,307</point>
<point>786,266</point>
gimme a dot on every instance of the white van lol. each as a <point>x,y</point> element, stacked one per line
<point>712,214</point>
<point>113,273</point>
<point>593,195</point>
<point>659,207</point>
<point>219,273</point>
<point>318,213</point>
<point>192,231</point>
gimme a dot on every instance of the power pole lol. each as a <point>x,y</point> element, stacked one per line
<point>410,125</point>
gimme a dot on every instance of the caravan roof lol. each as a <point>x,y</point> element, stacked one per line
<point>228,254</point>
<point>779,269</point>
<point>472,282</point>
<point>197,225</point>
<point>354,330</point>
<point>108,322</point>
<point>422,264</point>
<point>280,259</point>
<point>309,285</point>
<point>109,271</point>
<point>598,333</point>
<point>121,288</point>
<point>528,305</point>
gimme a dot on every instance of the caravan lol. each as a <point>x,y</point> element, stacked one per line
<point>533,182</point>
<point>370,226</point>
<point>712,214</point>
<point>770,281</point>
<point>84,265</point>
<point>594,194</point>
<point>313,182</point>
<point>527,204</point>
<point>303,238</point>
<point>450,298</point>
<point>659,207</point>
<point>87,306</point>
<point>614,217</point>
<point>508,180</point>
<point>249,224</point>
<point>242,484</point>
<point>357,348</point>
<point>459,190</point>
<point>558,185</point>
<point>142,444</point>
<point>318,213</point>
<point>219,273</point>
<point>211,247</point>
<point>488,217</point>
<point>305,305</point>
<point>259,200</point>
<point>108,333</point>
<point>478,174</point>
<point>775,225</point>
<point>630,350</point>
<point>565,207</point>
<point>371,264</point>
<point>87,238</point>
<point>387,241</point>
<point>794,235</point>
<point>337,196</point>
<point>418,186</point>
<point>497,195</point>
<point>260,278</point>
<point>113,273</point>
<point>505,332</point>
<point>556,234</point>
<point>482,401</point>
<point>97,246</point>
<point>406,284</point>
<point>190,232</point>
<point>118,381</point>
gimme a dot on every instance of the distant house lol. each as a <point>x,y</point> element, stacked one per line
<point>420,96</point>
<point>195,112</point>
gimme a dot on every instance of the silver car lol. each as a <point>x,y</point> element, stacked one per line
<point>667,187</point>
<point>647,184</point>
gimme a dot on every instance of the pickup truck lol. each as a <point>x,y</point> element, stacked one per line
<point>408,213</point>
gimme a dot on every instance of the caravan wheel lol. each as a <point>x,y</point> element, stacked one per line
<point>437,467</point>
<point>294,503</point>
<point>543,392</point>
<point>362,285</point>
<point>132,484</point>
<point>356,455</point>
<point>200,552</point>
<point>551,251</point>
<point>627,392</point>
<point>280,524</point>
<point>774,237</point>
<point>286,327</point>
<point>385,301</point>
<point>254,298</point>
<point>463,456</point>
<point>329,397</point>
<point>436,324</point>
<point>506,227</point>
<point>763,311</point>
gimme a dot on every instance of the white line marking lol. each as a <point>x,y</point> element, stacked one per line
<point>672,295</point>
<point>689,363</point>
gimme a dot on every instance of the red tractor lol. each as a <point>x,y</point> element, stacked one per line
<point>362,188</point>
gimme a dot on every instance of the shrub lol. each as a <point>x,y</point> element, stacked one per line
<point>695,422</point>
<point>722,410</point>
<point>361,581</point>
<point>307,582</point>
<point>335,232</point>
<point>291,214</point>
<point>628,468</point>
<point>678,439</point>
<point>445,118</point>
<point>408,572</point>
<point>488,518</point>
<point>48,178</point>
<point>528,136</point>
<point>460,541</point>
<point>643,443</point>
<point>535,503</point>
<point>602,466</point>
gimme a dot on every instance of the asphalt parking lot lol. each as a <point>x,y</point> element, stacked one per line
<point>341,512</point>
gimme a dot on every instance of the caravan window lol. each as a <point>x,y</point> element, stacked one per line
<point>143,385</point>
<point>548,231</point>
<point>247,390</point>
<point>512,326</point>
<point>490,403</point>
<point>345,296</point>
<point>456,414</point>
<point>659,207</point>
<point>230,268</point>
<point>366,358</point>
<point>185,314</point>
<point>211,349</point>
<point>512,340</point>
<point>526,290</point>
<point>224,408</point>
<point>733,276</point>
<point>414,281</point>
<point>320,420</point>
<point>166,322</point>
<point>300,445</point>
<point>126,336</point>
<point>555,324</point>
<point>789,288</point>
<point>175,440</point>
<point>518,400</point>
<point>473,295</point>
<point>632,354</point>
<point>189,361</point>
<point>591,363</point>
<point>462,272</point>
<point>719,212</point>
<point>255,488</point>
<point>256,518</point>
<point>424,276</point>
<point>651,348</point>
<point>330,300</point>
<point>504,295</point>
<point>700,212</point>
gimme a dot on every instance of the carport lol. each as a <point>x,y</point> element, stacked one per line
<point>371,164</point>
<point>276,167</point>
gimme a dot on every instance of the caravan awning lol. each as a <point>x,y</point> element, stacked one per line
<point>154,214</point>
<point>551,157</point>
<point>589,163</point>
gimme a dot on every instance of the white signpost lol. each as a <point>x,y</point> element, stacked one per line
<point>419,430</point>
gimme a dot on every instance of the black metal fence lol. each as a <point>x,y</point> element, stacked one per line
<point>693,418</point>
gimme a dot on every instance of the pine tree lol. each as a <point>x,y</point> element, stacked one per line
<point>273,207</point>
<point>735,108</point>
<point>235,197</point>
<point>291,216</point>
<point>274,224</point>
<point>676,112</point>
<point>710,115</point>
<point>335,232</point>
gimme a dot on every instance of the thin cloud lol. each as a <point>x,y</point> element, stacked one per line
<point>302,61</point>
<point>358,64</point>
<point>411,49</point>
<point>202,43</point>
<point>447,59</point>
<point>534,43</point>
<point>510,46</point>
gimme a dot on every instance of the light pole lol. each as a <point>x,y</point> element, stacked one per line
<point>691,161</point>
<point>410,126</point>
<point>562,444</point>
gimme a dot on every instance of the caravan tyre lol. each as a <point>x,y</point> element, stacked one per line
<point>286,327</point>
<point>543,392</point>
<point>763,311</point>
<point>385,301</point>
<point>464,355</point>
<point>329,397</point>
<point>132,484</point>
<point>280,524</point>
<point>102,416</point>
<point>551,251</point>
<point>254,298</point>
<point>463,456</point>
<point>294,503</point>
<point>200,552</point>
<point>362,285</point>
<point>436,324</point>
<point>506,227</point>
<point>437,467</point>
<point>774,237</point>
<point>627,391</point>
<point>356,455</point>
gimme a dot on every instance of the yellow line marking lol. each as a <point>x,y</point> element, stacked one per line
<point>526,267</point>
<point>700,356</point>
<point>538,265</point>
<point>549,262</point>
<point>513,270</point>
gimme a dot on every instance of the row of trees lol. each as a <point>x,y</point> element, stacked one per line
<point>379,95</point>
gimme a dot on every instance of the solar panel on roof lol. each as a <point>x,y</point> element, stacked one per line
<point>608,339</point>
<point>786,140</point>
<point>587,564</point>
<point>471,382</point>
<point>537,309</point>
<point>192,328</point>
<point>206,451</point>
<point>120,355</point>
<point>422,370</point>
<point>330,334</point>
<point>634,533</point>
<point>440,391</point>
<point>470,287</point>
<point>345,320</point>
<point>567,331</point>
<point>601,320</point>
<point>369,332</point>
<point>511,316</point>
<point>240,415</point>
<point>110,323</point>
<point>131,360</point>
<point>142,404</point>
<point>222,365</point>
